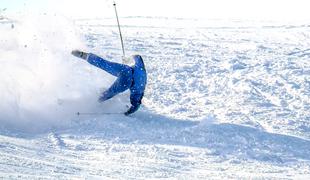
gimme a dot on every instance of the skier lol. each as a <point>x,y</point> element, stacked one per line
<point>132,78</point>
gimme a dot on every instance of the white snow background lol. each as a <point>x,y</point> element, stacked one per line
<point>225,99</point>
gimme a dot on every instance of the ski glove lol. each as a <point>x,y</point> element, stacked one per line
<point>132,109</point>
<point>80,54</point>
<point>135,100</point>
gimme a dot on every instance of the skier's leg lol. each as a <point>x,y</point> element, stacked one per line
<point>111,67</point>
<point>120,85</point>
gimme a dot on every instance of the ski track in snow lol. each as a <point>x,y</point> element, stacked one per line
<point>223,101</point>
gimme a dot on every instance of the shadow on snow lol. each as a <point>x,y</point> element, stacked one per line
<point>224,140</point>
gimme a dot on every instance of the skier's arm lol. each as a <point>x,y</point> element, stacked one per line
<point>132,109</point>
<point>135,100</point>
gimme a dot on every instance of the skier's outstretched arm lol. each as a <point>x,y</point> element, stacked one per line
<point>135,100</point>
<point>134,107</point>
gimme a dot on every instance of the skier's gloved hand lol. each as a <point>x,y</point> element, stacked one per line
<point>126,60</point>
<point>80,54</point>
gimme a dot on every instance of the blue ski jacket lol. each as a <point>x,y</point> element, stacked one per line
<point>133,78</point>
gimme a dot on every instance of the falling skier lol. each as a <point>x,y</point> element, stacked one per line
<point>133,78</point>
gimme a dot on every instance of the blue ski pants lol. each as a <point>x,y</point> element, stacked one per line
<point>123,73</point>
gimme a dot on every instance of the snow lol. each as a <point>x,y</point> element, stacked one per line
<point>225,99</point>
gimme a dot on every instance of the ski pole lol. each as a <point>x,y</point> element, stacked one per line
<point>119,29</point>
<point>94,113</point>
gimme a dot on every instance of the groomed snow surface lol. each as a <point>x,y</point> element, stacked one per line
<point>225,100</point>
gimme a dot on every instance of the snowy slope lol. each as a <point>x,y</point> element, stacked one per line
<point>225,99</point>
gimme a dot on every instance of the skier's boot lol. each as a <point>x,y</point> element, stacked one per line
<point>80,54</point>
